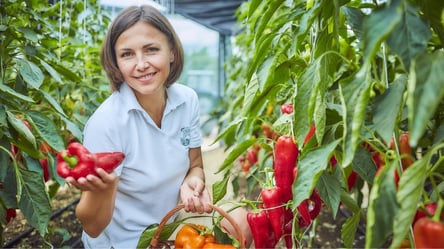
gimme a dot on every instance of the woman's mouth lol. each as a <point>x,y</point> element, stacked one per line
<point>146,76</point>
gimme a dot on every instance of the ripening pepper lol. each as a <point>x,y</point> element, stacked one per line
<point>77,161</point>
<point>260,226</point>
<point>272,200</point>
<point>285,157</point>
<point>428,233</point>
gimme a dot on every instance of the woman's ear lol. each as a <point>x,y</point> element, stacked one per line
<point>171,56</point>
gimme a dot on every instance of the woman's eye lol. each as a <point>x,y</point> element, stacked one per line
<point>125,54</point>
<point>152,49</point>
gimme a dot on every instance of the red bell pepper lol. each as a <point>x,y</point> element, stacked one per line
<point>428,211</point>
<point>272,200</point>
<point>285,157</point>
<point>263,236</point>
<point>428,233</point>
<point>76,161</point>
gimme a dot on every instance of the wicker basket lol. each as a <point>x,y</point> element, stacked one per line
<point>156,244</point>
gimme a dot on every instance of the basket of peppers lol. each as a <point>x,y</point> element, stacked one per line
<point>194,236</point>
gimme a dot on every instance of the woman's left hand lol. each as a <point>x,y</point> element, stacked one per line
<point>195,195</point>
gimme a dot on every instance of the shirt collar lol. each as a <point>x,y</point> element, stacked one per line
<point>174,99</point>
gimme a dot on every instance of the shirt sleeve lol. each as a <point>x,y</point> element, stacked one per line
<point>196,133</point>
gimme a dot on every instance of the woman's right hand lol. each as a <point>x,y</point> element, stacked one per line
<point>104,181</point>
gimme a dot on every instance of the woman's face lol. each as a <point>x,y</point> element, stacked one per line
<point>143,57</point>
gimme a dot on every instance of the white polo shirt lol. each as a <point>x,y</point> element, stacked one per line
<point>156,159</point>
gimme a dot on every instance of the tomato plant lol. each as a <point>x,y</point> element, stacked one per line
<point>362,72</point>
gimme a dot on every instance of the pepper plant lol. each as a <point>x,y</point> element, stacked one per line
<point>362,73</point>
<point>50,81</point>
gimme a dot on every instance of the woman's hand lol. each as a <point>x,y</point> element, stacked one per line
<point>95,183</point>
<point>195,195</point>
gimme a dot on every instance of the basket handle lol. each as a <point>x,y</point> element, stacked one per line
<point>155,240</point>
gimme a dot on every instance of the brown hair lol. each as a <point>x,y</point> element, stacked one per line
<point>126,19</point>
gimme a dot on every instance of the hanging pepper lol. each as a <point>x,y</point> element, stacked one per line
<point>428,233</point>
<point>263,236</point>
<point>76,161</point>
<point>428,211</point>
<point>285,157</point>
<point>273,203</point>
<point>287,108</point>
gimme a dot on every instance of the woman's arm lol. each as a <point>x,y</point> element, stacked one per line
<point>96,205</point>
<point>193,191</point>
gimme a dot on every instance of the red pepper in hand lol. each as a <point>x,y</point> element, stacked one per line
<point>428,233</point>
<point>261,229</point>
<point>76,161</point>
<point>108,160</point>
<point>275,209</point>
<point>285,157</point>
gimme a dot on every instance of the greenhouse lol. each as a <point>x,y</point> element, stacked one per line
<point>206,124</point>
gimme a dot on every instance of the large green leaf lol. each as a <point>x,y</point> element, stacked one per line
<point>30,72</point>
<point>15,95</point>
<point>329,188</point>
<point>19,125</point>
<point>235,153</point>
<point>387,107</point>
<point>410,36</point>
<point>411,187</point>
<point>378,26</point>
<point>348,230</point>
<point>310,167</point>
<point>363,165</point>
<point>354,98</point>
<point>47,130</point>
<point>34,201</point>
<point>425,92</point>
<point>382,207</point>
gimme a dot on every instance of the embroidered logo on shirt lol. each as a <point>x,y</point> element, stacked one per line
<point>186,134</point>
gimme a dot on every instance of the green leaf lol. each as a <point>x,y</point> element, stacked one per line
<point>363,165</point>
<point>310,168</point>
<point>411,187</point>
<point>34,201</point>
<point>147,235</point>
<point>53,102</point>
<point>329,188</point>
<point>270,9</point>
<point>262,51</point>
<point>378,26</point>
<point>29,34</point>
<point>15,95</point>
<point>387,107</point>
<point>410,36</point>
<point>382,208</point>
<point>220,188</point>
<point>235,153</point>
<point>54,74</point>
<point>425,92</point>
<point>47,130</point>
<point>349,228</point>
<point>73,128</point>
<point>21,128</point>
<point>30,72</point>
<point>355,18</point>
<point>354,98</point>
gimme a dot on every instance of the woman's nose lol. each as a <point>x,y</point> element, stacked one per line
<point>142,63</point>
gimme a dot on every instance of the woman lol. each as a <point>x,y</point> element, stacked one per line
<point>151,119</point>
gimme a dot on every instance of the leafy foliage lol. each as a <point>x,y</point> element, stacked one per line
<point>50,81</point>
<point>362,72</point>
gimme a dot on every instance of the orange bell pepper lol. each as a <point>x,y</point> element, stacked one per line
<point>189,237</point>
<point>218,246</point>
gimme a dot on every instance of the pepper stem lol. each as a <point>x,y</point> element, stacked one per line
<point>71,160</point>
